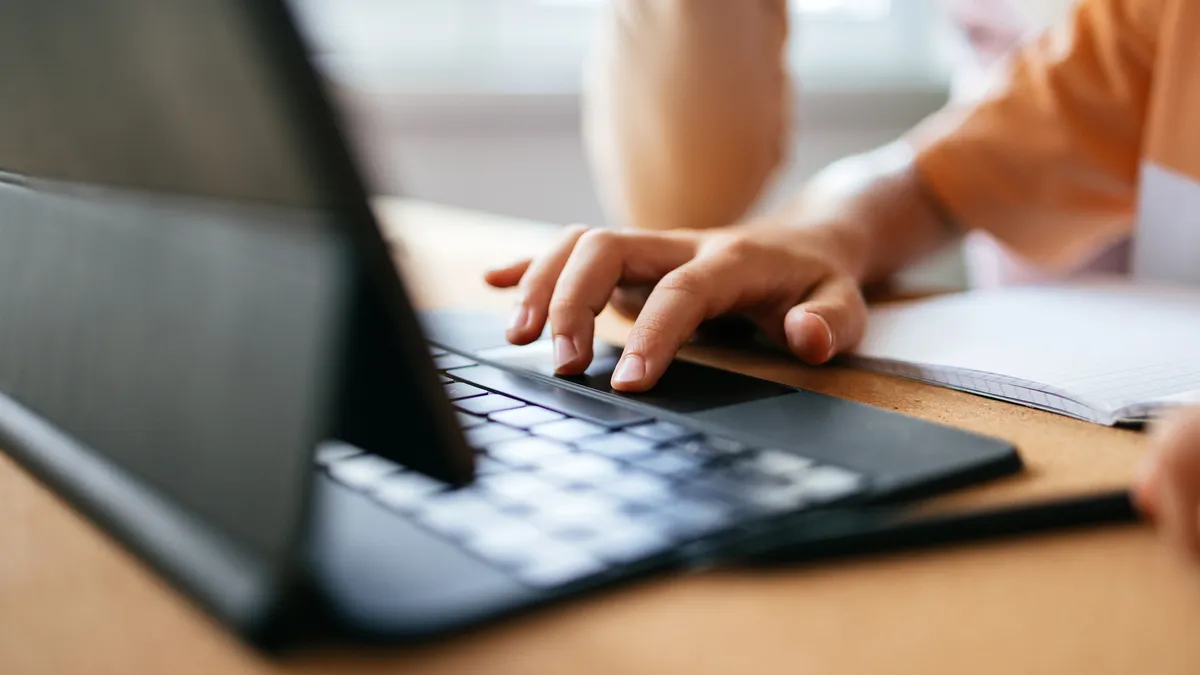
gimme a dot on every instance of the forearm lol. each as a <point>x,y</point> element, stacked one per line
<point>687,109</point>
<point>876,210</point>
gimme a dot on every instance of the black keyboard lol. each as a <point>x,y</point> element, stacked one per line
<point>568,485</point>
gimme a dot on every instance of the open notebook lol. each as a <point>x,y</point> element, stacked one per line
<point>1104,351</point>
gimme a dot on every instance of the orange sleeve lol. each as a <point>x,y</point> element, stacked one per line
<point>1048,161</point>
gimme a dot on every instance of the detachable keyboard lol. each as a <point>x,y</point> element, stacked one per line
<point>568,485</point>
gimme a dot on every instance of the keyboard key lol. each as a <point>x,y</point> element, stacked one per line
<point>580,469</point>
<point>518,489</point>
<point>557,565</point>
<point>568,430</point>
<point>576,512</point>
<point>689,518</point>
<point>709,449</point>
<point>725,445</point>
<point>670,462</point>
<point>333,451</point>
<point>458,514</point>
<point>364,471</point>
<point>487,435</point>
<point>452,362</point>
<point>778,462</point>
<point>640,488</point>
<point>486,405</point>
<point>524,418</point>
<point>528,451</point>
<point>486,466</point>
<point>446,380</point>
<point>467,420</point>
<point>662,432</point>
<point>406,491</point>
<point>550,396</point>
<point>508,542</point>
<point>461,390</point>
<point>437,351</point>
<point>618,445</point>
<point>754,490</point>
<point>760,498</point>
<point>827,483</point>
<point>627,542</point>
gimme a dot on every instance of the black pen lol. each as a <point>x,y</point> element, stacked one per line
<point>863,530</point>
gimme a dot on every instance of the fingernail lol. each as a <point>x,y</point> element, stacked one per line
<point>520,318</point>
<point>564,351</point>
<point>828,332</point>
<point>630,370</point>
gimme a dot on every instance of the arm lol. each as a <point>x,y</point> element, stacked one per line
<point>876,210</point>
<point>1048,164</point>
<point>687,109</point>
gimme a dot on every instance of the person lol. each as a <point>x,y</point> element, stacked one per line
<point>1086,141</point>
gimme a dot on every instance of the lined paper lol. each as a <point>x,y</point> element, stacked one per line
<point>1103,350</point>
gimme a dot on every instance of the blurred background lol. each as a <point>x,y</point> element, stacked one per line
<point>475,103</point>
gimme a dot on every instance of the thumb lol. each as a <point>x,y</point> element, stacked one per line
<point>829,322</point>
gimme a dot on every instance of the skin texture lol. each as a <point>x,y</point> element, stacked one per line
<point>677,258</point>
<point>688,109</point>
<point>796,274</point>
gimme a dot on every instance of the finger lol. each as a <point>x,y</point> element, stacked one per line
<point>829,322</point>
<point>1178,509</point>
<point>600,261</point>
<point>507,276</point>
<point>676,307</point>
<point>1168,437</point>
<point>1147,487</point>
<point>537,285</point>
<point>1173,489</point>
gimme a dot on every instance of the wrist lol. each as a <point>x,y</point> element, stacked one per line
<point>872,212</point>
<point>848,246</point>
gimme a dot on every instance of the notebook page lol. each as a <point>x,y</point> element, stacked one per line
<point>1107,345</point>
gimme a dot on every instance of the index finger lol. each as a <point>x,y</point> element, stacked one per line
<point>675,309</point>
<point>601,261</point>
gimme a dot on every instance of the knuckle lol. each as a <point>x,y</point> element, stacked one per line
<point>598,240</point>
<point>649,329</point>
<point>563,307</point>
<point>575,230</point>
<point>733,247</point>
<point>741,248</point>
<point>688,281</point>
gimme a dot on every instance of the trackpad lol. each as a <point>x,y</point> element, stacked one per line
<point>685,388</point>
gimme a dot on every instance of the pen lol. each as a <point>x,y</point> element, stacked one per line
<point>877,529</point>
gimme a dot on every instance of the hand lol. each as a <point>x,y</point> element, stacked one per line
<point>797,285</point>
<point>1168,484</point>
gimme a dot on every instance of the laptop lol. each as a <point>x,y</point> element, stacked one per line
<point>206,348</point>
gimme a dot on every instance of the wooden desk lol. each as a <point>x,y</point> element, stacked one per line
<point>1107,601</point>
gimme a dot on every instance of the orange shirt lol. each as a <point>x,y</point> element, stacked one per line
<point>1093,135</point>
<point>1090,137</point>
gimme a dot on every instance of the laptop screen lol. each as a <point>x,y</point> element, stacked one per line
<point>173,276</point>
